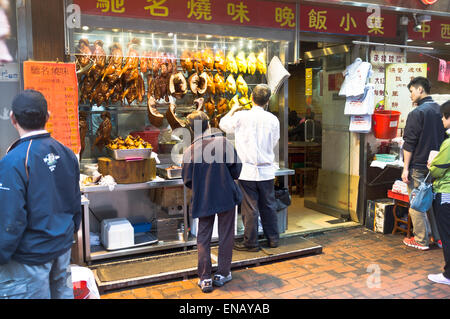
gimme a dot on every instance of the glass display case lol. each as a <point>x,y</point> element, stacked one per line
<point>119,70</point>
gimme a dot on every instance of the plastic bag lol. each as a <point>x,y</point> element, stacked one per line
<point>283,198</point>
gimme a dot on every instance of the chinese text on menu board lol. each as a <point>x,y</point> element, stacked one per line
<point>58,83</point>
<point>398,77</point>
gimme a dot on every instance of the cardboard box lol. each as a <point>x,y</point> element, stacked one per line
<point>384,218</point>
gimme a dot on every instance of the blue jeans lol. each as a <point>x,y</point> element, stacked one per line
<point>424,224</point>
<point>48,281</point>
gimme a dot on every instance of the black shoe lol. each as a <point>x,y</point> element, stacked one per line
<point>242,247</point>
<point>273,243</point>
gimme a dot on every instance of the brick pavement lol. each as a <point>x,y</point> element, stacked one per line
<point>347,269</point>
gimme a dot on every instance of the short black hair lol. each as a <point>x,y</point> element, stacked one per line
<point>261,94</point>
<point>445,109</point>
<point>198,116</point>
<point>30,110</point>
<point>420,81</point>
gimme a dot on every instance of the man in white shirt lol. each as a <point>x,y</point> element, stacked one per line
<point>256,134</point>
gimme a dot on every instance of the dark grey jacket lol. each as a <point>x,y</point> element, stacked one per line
<point>424,132</point>
<point>210,166</point>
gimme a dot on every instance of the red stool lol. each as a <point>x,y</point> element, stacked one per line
<point>403,201</point>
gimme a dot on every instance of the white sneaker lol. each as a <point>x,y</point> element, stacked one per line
<point>439,278</point>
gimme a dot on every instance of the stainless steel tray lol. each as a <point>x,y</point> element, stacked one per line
<point>130,153</point>
<point>163,171</point>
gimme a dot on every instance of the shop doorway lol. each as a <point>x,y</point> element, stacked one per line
<point>324,189</point>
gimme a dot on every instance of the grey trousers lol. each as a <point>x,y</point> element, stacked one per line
<point>424,225</point>
<point>48,281</point>
<point>259,199</point>
<point>225,225</point>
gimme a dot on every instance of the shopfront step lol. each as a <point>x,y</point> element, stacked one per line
<point>149,270</point>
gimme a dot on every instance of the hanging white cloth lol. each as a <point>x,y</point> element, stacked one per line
<point>356,75</point>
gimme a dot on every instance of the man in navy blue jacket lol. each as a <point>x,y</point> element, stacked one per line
<point>424,132</point>
<point>40,207</point>
<point>210,166</point>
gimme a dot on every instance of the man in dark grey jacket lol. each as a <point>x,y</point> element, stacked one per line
<point>210,166</point>
<point>424,132</point>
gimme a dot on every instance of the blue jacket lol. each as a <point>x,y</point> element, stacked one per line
<point>212,182</point>
<point>40,204</point>
<point>424,132</point>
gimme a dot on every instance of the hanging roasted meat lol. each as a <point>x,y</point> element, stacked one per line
<point>132,59</point>
<point>134,91</point>
<point>251,63</point>
<point>241,85</point>
<point>198,83</point>
<point>156,63</point>
<point>208,59</point>
<point>261,64</point>
<point>230,84</point>
<point>87,89</point>
<point>198,64</point>
<point>83,131</point>
<point>154,116</point>
<point>99,94</point>
<point>219,61</point>
<point>144,60</point>
<point>241,62</point>
<point>114,67</point>
<point>99,59</point>
<point>219,83</point>
<point>211,86</point>
<point>177,85</point>
<point>83,57</point>
<point>103,134</point>
<point>186,61</point>
<point>210,107</point>
<point>115,92</point>
<point>222,105</point>
<point>231,63</point>
<point>173,120</point>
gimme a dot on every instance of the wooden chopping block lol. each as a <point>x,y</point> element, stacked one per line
<point>128,172</point>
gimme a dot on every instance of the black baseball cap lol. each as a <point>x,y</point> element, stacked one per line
<point>29,102</point>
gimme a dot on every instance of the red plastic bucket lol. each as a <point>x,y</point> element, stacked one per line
<point>150,136</point>
<point>385,124</point>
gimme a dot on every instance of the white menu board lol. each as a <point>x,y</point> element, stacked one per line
<point>397,95</point>
<point>379,58</point>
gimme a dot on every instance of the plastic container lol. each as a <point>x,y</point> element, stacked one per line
<point>117,233</point>
<point>385,124</point>
<point>140,224</point>
<point>385,157</point>
<point>149,135</point>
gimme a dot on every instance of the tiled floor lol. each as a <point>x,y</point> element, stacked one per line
<point>355,263</point>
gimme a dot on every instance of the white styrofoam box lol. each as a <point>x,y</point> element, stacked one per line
<point>215,234</point>
<point>117,233</point>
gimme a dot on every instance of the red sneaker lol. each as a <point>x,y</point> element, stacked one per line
<point>411,242</point>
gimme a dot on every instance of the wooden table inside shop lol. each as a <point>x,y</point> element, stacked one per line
<point>311,153</point>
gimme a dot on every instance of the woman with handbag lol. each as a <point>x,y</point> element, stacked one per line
<point>440,170</point>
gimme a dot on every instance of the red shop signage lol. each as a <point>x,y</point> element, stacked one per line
<point>434,30</point>
<point>347,21</point>
<point>270,14</point>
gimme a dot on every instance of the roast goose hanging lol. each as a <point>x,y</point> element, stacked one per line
<point>178,85</point>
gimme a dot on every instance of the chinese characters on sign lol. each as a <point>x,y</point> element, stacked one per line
<point>58,83</point>
<point>378,59</point>
<point>397,94</point>
<point>116,6</point>
<point>270,14</point>
<point>346,21</point>
<point>435,30</point>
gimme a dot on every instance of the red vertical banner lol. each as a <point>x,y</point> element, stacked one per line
<point>58,83</point>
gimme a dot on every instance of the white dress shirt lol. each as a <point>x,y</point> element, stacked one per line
<point>256,134</point>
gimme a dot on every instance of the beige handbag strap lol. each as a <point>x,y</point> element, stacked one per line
<point>26,159</point>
